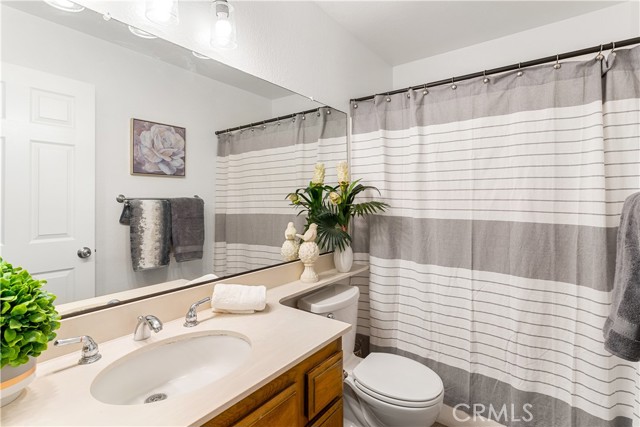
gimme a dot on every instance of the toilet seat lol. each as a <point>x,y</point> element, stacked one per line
<point>398,380</point>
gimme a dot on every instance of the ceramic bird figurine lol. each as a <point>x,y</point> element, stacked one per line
<point>290,247</point>
<point>290,232</point>
<point>310,235</point>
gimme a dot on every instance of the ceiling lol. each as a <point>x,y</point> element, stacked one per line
<point>404,31</point>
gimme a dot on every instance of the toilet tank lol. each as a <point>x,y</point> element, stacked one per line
<point>338,302</point>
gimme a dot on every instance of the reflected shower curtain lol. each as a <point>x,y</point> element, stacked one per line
<point>494,265</point>
<point>255,169</point>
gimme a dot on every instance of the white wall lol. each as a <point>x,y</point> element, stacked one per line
<point>602,26</point>
<point>291,104</point>
<point>130,85</point>
<point>294,44</point>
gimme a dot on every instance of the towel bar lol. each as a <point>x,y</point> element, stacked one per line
<point>122,199</point>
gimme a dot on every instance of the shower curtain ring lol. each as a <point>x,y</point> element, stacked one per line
<point>264,125</point>
<point>557,65</point>
<point>453,85</point>
<point>388,99</point>
<point>600,56</point>
<point>425,90</point>
<point>613,48</point>
<point>520,73</point>
<point>486,79</point>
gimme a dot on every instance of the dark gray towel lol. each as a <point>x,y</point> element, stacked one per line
<point>622,328</point>
<point>187,228</point>
<point>150,233</point>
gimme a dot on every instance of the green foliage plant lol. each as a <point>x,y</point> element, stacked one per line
<point>28,317</point>
<point>332,208</point>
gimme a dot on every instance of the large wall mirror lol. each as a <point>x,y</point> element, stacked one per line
<point>93,109</point>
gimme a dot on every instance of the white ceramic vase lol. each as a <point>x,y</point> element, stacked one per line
<point>343,260</point>
<point>308,254</point>
<point>16,379</point>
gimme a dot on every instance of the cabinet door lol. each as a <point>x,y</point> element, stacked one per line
<point>324,384</point>
<point>280,410</point>
<point>332,417</point>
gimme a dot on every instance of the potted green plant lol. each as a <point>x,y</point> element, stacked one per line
<point>27,320</point>
<point>332,208</point>
<point>341,207</point>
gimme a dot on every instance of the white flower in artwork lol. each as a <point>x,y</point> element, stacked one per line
<point>343,171</point>
<point>318,174</point>
<point>161,148</point>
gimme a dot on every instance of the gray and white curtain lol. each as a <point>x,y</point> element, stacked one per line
<point>494,265</point>
<point>255,169</point>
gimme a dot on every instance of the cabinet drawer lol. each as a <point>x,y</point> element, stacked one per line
<point>332,417</point>
<point>324,384</point>
<point>281,410</point>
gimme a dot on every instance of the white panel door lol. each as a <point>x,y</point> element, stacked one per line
<point>48,179</point>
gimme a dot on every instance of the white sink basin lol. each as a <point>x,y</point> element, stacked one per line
<point>170,368</point>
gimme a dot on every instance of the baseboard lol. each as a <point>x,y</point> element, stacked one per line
<point>451,417</point>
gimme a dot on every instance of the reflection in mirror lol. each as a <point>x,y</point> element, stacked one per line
<point>256,167</point>
<point>73,84</point>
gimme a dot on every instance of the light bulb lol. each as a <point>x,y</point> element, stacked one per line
<point>162,11</point>
<point>223,31</point>
<point>223,28</point>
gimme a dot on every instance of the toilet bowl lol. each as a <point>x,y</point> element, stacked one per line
<point>381,390</point>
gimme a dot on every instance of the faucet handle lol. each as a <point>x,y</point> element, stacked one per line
<point>191,319</point>
<point>90,351</point>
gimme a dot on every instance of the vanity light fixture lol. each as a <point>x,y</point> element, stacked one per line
<point>162,11</point>
<point>143,34</point>
<point>66,5</point>
<point>199,55</point>
<point>223,25</point>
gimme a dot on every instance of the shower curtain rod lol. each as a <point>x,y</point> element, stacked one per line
<point>275,119</point>
<point>595,49</point>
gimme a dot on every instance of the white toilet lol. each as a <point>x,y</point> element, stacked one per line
<point>381,390</point>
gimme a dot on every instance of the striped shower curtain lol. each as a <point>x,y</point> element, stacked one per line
<point>255,169</point>
<point>494,265</point>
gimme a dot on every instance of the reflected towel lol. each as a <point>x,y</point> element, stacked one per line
<point>187,228</point>
<point>622,328</point>
<point>238,298</point>
<point>150,233</point>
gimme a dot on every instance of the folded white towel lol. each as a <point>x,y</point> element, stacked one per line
<point>238,298</point>
<point>205,278</point>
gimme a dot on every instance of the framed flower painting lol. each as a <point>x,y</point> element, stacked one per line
<point>157,149</point>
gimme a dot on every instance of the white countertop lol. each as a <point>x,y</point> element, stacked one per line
<point>280,338</point>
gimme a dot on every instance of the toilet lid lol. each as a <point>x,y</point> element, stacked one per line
<point>398,378</point>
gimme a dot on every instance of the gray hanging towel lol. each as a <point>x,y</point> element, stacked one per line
<point>150,233</point>
<point>622,328</point>
<point>187,228</point>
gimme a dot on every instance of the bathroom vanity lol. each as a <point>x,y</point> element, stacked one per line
<point>291,376</point>
<point>309,394</point>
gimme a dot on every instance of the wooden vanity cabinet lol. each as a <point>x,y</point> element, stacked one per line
<point>309,394</point>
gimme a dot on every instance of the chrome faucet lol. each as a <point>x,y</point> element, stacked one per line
<point>191,319</point>
<point>145,325</point>
<point>90,351</point>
